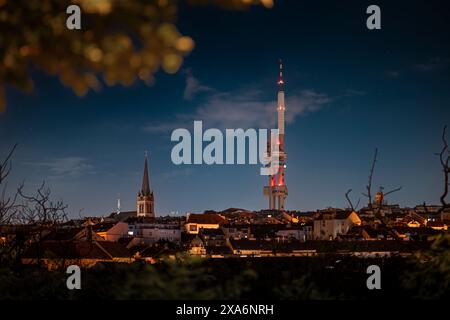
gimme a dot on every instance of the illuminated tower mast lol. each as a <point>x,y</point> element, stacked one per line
<point>277,191</point>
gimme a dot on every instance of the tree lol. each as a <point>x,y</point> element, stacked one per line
<point>444,158</point>
<point>429,277</point>
<point>40,209</point>
<point>369,184</point>
<point>381,195</point>
<point>41,213</point>
<point>26,220</point>
<point>119,41</point>
<point>8,206</point>
<point>8,209</point>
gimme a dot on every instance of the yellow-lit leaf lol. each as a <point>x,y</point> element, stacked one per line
<point>171,63</point>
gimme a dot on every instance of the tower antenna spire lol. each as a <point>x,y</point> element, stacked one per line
<point>280,80</point>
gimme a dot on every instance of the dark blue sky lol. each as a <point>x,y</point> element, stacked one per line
<point>348,91</point>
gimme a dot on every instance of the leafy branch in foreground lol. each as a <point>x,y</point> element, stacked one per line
<point>119,41</point>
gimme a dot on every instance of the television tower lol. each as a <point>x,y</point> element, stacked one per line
<point>277,191</point>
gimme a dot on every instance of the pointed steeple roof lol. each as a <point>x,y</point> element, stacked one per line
<point>145,190</point>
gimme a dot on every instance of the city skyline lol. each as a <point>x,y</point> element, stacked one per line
<point>348,91</point>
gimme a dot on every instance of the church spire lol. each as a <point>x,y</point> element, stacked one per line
<point>145,200</point>
<point>145,190</point>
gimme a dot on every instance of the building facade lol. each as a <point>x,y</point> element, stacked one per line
<point>331,224</point>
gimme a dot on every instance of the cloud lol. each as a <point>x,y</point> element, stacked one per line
<point>349,93</point>
<point>193,86</point>
<point>186,172</point>
<point>67,166</point>
<point>161,127</point>
<point>247,110</point>
<point>432,64</point>
<point>392,73</point>
<point>244,109</point>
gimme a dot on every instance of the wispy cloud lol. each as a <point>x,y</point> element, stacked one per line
<point>67,166</point>
<point>186,172</point>
<point>161,127</point>
<point>193,86</point>
<point>436,63</point>
<point>349,93</point>
<point>244,109</point>
<point>392,73</point>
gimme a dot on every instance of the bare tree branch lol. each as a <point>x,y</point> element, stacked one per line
<point>348,199</point>
<point>41,212</point>
<point>392,191</point>
<point>350,202</point>
<point>8,208</point>
<point>5,166</point>
<point>40,209</point>
<point>444,158</point>
<point>369,184</point>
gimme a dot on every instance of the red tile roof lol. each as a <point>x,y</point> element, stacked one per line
<point>208,218</point>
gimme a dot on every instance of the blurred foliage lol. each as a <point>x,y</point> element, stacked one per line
<point>119,41</point>
<point>7,255</point>
<point>185,277</point>
<point>181,278</point>
<point>35,284</point>
<point>329,276</point>
<point>429,274</point>
<point>302,288</point>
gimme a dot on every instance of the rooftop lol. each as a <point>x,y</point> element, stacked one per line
<point>205,218</point>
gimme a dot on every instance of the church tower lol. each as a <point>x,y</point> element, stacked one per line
<point>145,199</point>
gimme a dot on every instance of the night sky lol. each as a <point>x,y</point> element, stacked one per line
<point>348,91</point>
